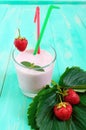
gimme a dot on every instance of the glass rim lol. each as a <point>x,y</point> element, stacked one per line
<point>53,60</point>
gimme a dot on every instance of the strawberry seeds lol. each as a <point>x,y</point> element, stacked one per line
<point>20,42</point>
<point>63,110</point>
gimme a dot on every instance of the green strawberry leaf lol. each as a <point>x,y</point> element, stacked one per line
<point>81,88</point>
<point>75,78</point>
<point>44,109</point>
<point>32,66</point>
<point>40,111</point>
<point>79,116</point>
<point>83,98</point>
<point>31,113</point>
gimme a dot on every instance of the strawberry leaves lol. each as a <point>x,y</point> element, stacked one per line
<point>40,111</point>
<point>45,108</point>
<point>40,102</point>
<point>32,66</point>
<point>74,78</point>
<point>79,117</point>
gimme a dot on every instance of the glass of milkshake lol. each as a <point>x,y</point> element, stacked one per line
<point>31,80</point>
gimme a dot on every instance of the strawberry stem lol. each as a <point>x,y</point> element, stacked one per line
<point>60,98</point>
<point>19,33</point>
<point>53,82</point>
<point>58,87</point>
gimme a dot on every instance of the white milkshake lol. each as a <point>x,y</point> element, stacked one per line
<point>30,80</point>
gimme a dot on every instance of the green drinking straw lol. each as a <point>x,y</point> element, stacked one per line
<point>43,28</point>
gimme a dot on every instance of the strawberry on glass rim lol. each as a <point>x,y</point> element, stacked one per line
<point>63,111</point>
<point>20,42</point>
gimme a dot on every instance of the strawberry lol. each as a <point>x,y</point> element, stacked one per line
<point>63,111</point>
<point>20,43</point>
<point>72,97</point>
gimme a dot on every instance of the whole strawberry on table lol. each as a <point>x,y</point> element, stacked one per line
<point>61,106</point>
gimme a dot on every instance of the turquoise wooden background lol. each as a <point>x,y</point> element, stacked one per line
<point>66,31</point>
<point>42,2</point>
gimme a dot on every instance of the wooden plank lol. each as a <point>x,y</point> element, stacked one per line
<point>5,42</point>
<point>43,2</point>
<point>13,104</point>
<point>77,31</point>
<point>4,67</point>
<point>70,38</point>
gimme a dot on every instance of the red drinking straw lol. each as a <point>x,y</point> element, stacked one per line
<point>51,7</point>
<point>37,18</point>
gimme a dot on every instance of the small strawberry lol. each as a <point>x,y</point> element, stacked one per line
<point>20,43</point>
<point>71,96</point>
<point>63,111</point>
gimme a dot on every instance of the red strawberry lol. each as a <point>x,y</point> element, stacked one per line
<point>72,97</point>
<point>63,111</point>
<point>20,43</point>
